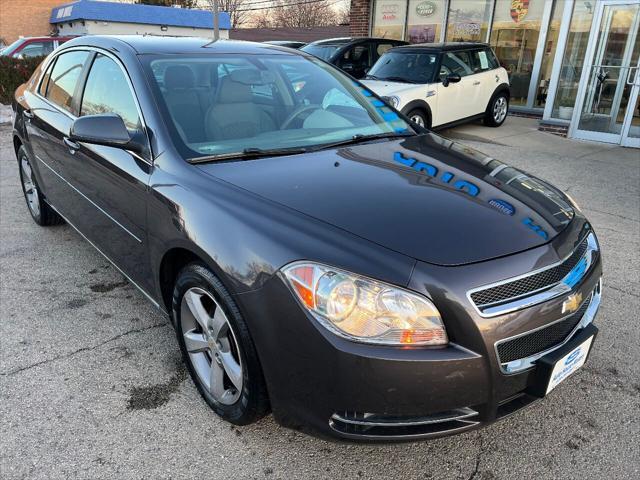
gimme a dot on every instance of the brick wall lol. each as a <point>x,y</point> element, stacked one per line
<point>25,18</point>
<point>359,18</point>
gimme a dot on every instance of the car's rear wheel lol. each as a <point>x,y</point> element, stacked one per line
<point>497,110</point>
<point>419,117</point>
<point>217,347</point>
<point>40,210</point>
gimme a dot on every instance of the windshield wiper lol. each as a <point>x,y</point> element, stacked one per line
<point>397,79</point>
<point>359,138</point>
<point>371,77</point>
<point>248,153</point>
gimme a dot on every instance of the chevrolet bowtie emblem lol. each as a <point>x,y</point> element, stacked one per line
<point>572,303</point>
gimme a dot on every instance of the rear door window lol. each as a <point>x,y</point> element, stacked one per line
<point>64,78</point>
<point>483,60</point>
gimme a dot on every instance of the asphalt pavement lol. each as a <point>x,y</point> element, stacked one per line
<point>92,385</point>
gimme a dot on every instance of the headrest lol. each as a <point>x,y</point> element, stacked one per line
<point>233,92</point>
<point>252,76</point>
<point>179,76</point>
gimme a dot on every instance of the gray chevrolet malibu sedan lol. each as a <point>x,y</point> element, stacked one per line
<point>320,256</point>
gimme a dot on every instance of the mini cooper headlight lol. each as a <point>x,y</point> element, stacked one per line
<point>365,310</point>
<point>392,100</point>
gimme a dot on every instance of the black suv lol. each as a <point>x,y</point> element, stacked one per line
<point>353,55</point>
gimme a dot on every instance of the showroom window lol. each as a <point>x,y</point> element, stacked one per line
<point>425,19</point>
<point>389,18</point>
<point>468,20</point>
<point>514,37</point>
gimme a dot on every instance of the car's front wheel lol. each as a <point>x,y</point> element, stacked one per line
<point>40,210</point>
<point>419,117</point>
<point>217,347</point>
<point>497,110</point>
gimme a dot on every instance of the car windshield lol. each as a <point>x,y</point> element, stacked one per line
<point>221,104</point>
<point>399,66</point>
<point>325,52</point>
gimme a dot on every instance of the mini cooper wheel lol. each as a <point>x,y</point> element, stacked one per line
<point>217,347</point>
<point>497,110</point>
<point>418,117</point>
<point>40,211</point>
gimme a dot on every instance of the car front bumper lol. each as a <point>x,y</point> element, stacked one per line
<point>326,385</point>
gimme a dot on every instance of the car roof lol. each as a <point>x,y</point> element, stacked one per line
<point>442,46</point>
<point>156,44</point>
<point>345,40</point>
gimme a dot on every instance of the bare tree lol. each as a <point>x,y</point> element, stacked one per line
<point>312,14</point>
<point>237,10</point>
<point>262,19</point>
<point>344,13</point>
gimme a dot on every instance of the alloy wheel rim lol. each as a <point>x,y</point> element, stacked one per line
<point>500,109</point>
<point>418,119</point>
<point>212,345</point>
<point>30,189</point>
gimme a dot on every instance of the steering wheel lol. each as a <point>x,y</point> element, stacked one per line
<point>297,112</point>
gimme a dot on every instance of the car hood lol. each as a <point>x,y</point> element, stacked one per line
<point>424,196</point>
<point>386,89</point>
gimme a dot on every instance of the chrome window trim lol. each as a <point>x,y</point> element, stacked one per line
<point>536,296</point>
<point>145,128</point>
<point>526,363</point>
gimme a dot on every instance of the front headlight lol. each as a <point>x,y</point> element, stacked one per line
<point>393,101</point>
<point>365,310</point>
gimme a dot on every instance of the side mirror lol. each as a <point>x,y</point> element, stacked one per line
<point>451,78</point>
<point>106,129</point>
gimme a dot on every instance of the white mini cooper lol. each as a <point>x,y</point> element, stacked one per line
<point>442,84</point>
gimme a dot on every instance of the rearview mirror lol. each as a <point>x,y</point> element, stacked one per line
<point>106,129</point>
<point>451,78</point>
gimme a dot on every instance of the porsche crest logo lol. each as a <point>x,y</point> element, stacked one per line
<point>519,9</point>
<point>572,303</point>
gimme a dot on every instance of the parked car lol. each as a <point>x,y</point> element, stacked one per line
<point>33,46</point>
<point>287,43</point>
<point>353,55</point>
<point>438,85</point>
<point>317,254</point>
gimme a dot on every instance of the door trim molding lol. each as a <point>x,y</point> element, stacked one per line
<point>139,240</point>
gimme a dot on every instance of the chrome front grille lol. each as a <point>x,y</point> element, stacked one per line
<point>529,284</point>
<point>538,286</point>
<point>542,339</point>
<point>521,352</point>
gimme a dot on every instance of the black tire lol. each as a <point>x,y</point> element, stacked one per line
<point>494,116</point>
<point>39,209</point>
<point>418,113</point>
<point>253,401</point>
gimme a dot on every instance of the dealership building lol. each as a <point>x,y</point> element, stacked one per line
<point>573,62</point>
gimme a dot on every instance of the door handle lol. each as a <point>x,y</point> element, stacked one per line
<point>476,82</point>
<point>631,80</point>
<point>28,114</point>
<point>73,146</point>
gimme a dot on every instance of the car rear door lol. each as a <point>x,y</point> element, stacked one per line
<point>112,182</point>
<point>52,109</point>
<point>457,100</point>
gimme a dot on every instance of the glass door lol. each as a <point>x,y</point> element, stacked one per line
<point>607,102</point>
